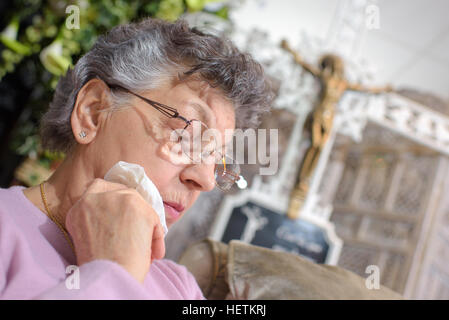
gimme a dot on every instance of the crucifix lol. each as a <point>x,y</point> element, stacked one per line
<point>255,222</point>
<point>318,124</point>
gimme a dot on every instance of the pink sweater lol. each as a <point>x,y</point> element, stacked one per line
<point>34,255</point>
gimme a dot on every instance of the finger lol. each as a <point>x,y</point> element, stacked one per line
<point>157,243</point>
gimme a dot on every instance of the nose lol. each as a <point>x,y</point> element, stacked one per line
<point>199,176</point>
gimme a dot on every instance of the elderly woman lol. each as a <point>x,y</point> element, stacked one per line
<point>122,102</point>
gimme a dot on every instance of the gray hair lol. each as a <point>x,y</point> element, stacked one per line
<point>141,56</point>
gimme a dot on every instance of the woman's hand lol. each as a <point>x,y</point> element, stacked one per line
<point>111,221</point>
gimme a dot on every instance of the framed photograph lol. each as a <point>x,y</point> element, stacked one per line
<point>256,219</point>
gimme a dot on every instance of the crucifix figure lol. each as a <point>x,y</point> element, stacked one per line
<point>255,222</point>
<point>318,124</point>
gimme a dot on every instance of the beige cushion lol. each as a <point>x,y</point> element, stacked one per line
<point>248,272</point>
<point>206,260</point>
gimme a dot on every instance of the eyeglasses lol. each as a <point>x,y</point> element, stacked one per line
<point>189,135</point>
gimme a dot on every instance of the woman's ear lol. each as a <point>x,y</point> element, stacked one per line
<point>86,116</point>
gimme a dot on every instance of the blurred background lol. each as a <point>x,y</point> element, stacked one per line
<point>383,179</point>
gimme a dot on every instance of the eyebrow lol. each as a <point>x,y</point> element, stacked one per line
<point>205,116</point>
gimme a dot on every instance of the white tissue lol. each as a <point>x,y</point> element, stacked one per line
<point>133,176</point>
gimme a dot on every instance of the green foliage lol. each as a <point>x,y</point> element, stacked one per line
<point>37,46</point>
<point>170,9</point>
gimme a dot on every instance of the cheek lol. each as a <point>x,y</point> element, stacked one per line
<point>122,138</point>
<point>161,173</point>
<point>129,140</point>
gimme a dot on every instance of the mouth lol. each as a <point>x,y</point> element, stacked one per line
<point>173,209</point>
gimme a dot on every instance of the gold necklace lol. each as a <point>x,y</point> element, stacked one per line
<point>64,231</point>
